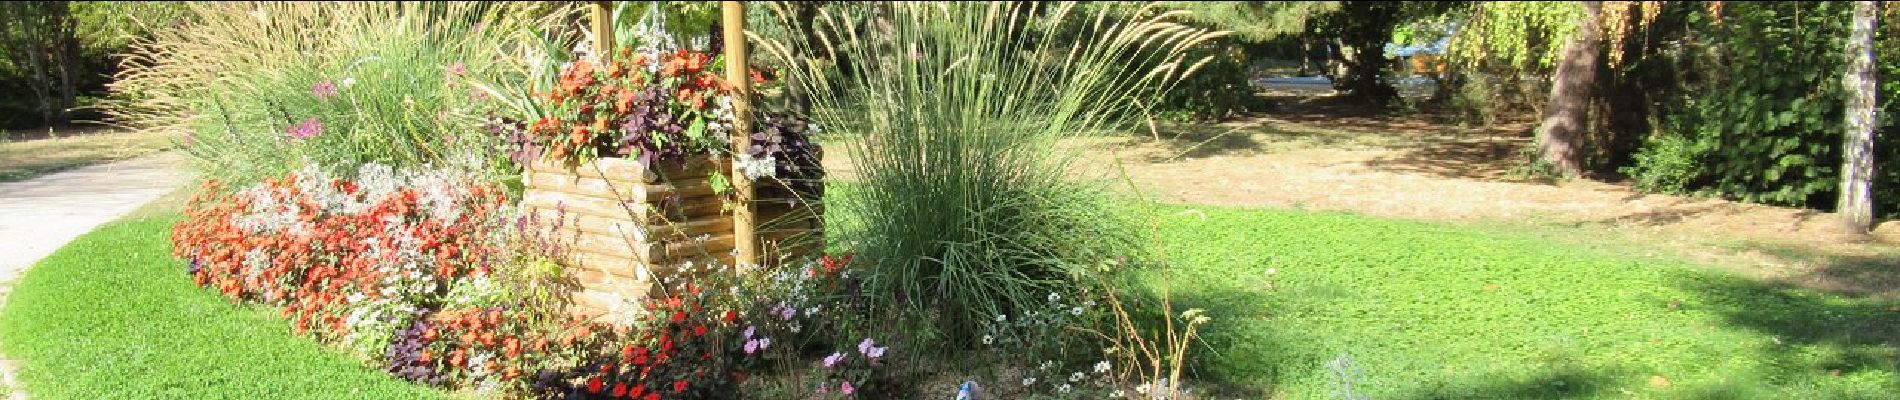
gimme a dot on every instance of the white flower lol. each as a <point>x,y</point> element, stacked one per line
<point>1143,389</point>
<point>1075,311</point>
<point>1029,381</point>
<point>1001,317</point>
<point>987,339</point>
<point>1102,367</point>
<point>1053,297</point>
<point>1118,393</point>
<point>1077,377</point>
<point>348,82</point>
<point>1062,389</point>
<point>1047,365</point>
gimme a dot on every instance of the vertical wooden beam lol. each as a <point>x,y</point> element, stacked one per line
<point>744,227</point>
<point>603,31</point>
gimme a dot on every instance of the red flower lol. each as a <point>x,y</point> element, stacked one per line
<point>679,385</point>
<point>593,385</point>
<point>732,316</point>
<point>620,390</point>
<point>699,330</point>
<point>679,316</point>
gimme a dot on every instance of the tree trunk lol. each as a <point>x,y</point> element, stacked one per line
<point>797,100</point>
<point>1306,55</point>
<point>64,40</point>
<point>1559,137</point>
<point>1856,199</point>
<point>1366,30</point>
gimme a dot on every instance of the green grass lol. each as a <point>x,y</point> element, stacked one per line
<point>1427,311</point>
<point>113,316</point>
<point>1434,311</point>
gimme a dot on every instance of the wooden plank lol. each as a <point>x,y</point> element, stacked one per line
<point>663,230</point>
<point>630,171</point>
<point>612,190</point>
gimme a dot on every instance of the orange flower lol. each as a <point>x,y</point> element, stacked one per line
<point>580,136</point>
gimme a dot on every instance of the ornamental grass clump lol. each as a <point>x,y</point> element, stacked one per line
<point>953,115</point>
<point>255,89</point>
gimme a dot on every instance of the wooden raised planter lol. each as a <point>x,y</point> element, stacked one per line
<point>627,227</point>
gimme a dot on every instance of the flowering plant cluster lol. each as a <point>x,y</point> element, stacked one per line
<point>653,106</point>
<point>349,261</point>
<point>421,274</point>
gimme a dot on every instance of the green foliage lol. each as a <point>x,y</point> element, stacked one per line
<point>1765,125</point>
<point>952,123</point>
<point>1436,311</point>
<point>1521,35</point>
<point>378,82</point>
<point>1500,55</point>
<point>114,316</point>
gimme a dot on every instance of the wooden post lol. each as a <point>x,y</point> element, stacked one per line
<point>603,31</point>
<point>744,228</point>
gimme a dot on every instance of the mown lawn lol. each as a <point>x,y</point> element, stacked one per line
<point>113,316</point>
<point>1433,311</point>
<point>1426,311</point>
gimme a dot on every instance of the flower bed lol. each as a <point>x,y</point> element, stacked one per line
<point>438,281</point>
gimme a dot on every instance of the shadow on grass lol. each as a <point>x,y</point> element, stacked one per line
<point>1814,332</point>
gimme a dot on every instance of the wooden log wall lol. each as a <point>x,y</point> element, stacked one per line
<point>626,228</point>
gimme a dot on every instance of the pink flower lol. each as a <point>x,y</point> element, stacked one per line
<point>865,346</point>
<point>306,129</point>
<point>323,90</point>
<point>875,352</point>
<point>457,69</point>
<point>846,388</point>
<point>833,359</point>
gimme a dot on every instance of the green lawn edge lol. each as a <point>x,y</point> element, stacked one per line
<point>113,316</point>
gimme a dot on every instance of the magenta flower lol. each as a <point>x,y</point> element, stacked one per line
<point>751,346</point>
<point>323,90</point>
<point>457,69</point>
<point>876,352</point>
<point>865,346</point>
<point>846,388</point>
<point>306,129</point>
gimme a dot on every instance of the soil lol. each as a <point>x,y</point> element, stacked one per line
<point>1316,153</point>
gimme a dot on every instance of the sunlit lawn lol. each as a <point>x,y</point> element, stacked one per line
<point>25,158</point>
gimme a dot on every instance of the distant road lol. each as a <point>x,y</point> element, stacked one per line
<point>1320,85</point>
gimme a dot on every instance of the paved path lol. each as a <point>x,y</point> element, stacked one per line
<point>39,215</point>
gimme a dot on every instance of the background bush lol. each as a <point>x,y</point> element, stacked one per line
<point>1764,121</point>
<point>237,78</point>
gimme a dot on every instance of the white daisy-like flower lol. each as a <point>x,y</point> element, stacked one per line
<point>1077,377</point>
<point>987,339</point>
<point>1029,381</point>
<point>1102,367</point>
<point>1063,389</point>
<point>1053,297</point>
<point>1075,310</point>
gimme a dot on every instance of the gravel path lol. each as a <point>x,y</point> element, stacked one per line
<point>40,215</point>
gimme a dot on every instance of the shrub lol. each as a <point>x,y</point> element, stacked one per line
<point>259,88</point>
<point>952,115</point>
<point>1764,123</point>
